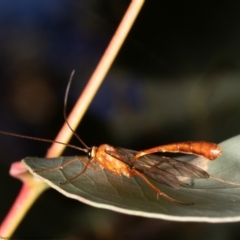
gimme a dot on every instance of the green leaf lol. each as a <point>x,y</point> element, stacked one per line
<point>214,201</point>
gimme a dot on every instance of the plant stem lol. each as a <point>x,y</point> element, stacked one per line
<point>97,77</point>
<point>25,199</point>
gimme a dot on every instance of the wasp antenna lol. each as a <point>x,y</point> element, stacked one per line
<point>44,140</point>
<point>64,111</point>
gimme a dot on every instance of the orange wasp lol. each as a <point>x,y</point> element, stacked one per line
<point>165,170</point>
<point>144,164</point>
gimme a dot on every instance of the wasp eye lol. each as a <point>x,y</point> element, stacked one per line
<point>89,154</point>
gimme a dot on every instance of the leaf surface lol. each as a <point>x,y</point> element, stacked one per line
<point>214,201</point>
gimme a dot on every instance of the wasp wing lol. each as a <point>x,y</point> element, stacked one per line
<point>162,169</point>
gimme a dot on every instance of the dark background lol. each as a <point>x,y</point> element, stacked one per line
<point>175,79</point>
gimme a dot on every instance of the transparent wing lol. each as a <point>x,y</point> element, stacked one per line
<point>162,169</point>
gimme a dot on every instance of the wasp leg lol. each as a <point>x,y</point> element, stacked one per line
<point>56,168</point>
<point>87,164</point>
<point>158,191</point>
<point>90,165</point>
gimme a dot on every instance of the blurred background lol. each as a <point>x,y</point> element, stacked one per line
<point>175,79</point>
